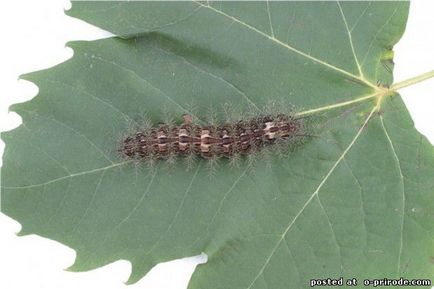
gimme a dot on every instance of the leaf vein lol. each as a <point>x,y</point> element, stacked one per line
<point>335,239</point>
<point>362,202</point>
<point>350,38</point>
<point>376,35</point>
<point>68,176</point>
<point>94,97</point>
<point>142,198</point>
<point>47,154</point>
<point>148,83</point>
<point>225,196</point>
<point>76,132</point>
<point>181,204</point>
<point>239,91</point>
<point>89,204</point>
<point>401,180</point>
<point>269,19</point>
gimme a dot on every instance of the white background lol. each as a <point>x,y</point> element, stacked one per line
<point>33,36</point>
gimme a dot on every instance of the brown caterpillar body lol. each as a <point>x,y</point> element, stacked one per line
<point>210,141</point>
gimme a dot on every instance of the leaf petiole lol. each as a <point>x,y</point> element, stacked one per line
<point>412,80</point>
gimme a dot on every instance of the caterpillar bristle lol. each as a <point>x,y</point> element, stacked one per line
<point>211,117</point>
<point>212,166</point>
<point>190,160</point>
<point>229,113</point>
<point>235,160</point>
<point>146,123</point>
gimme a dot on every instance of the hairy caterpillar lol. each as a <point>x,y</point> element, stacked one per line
<point>227,140</point>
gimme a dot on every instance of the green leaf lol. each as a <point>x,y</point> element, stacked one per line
<point>356,201</point>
